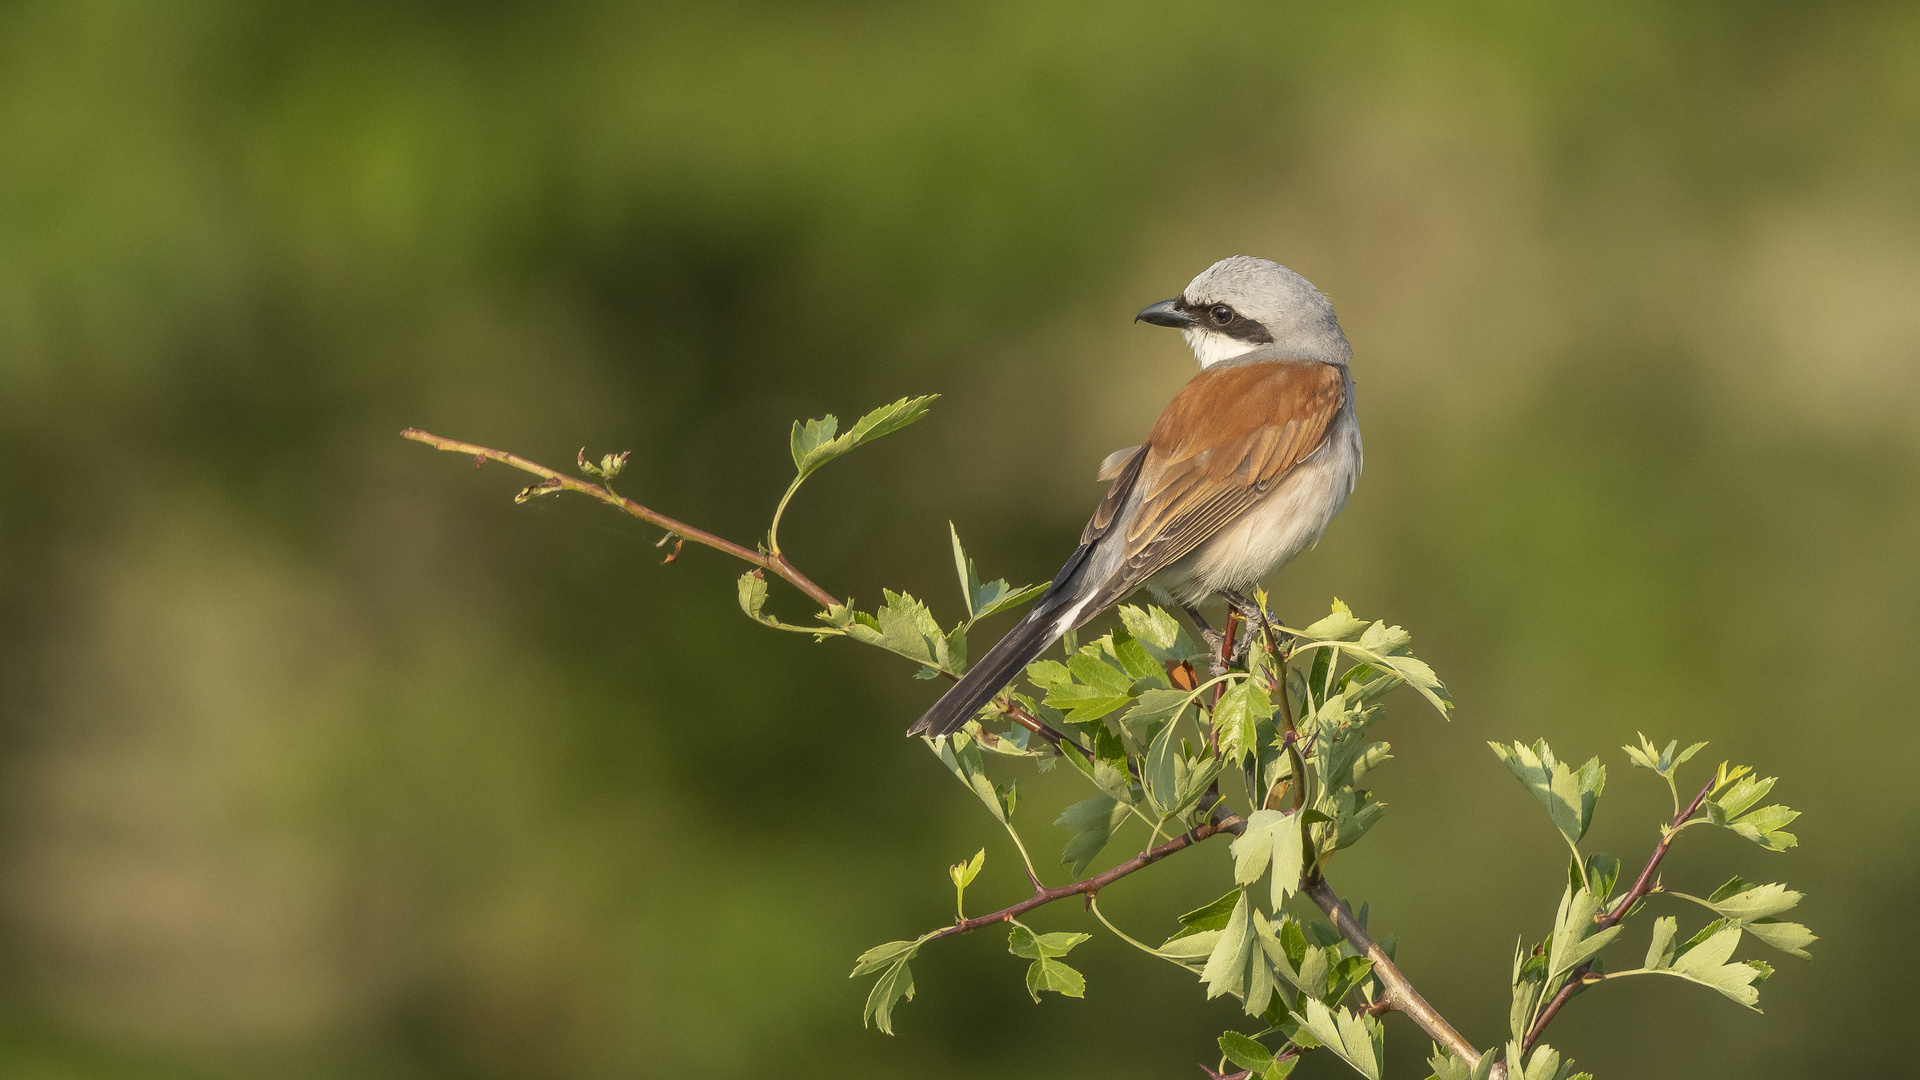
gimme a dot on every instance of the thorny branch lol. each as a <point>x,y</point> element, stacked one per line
<point>558,481</point>
<point>553,480</point>
<point>1399,992</point>
<point>1230,823</point>
<point>1646,883</point>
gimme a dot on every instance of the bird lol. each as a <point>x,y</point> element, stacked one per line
<point>1242,471</point>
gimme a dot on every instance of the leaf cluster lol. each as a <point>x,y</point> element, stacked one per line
<point>1591,916</point>
<point>1280,746</point>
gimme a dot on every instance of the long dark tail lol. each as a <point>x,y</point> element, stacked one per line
<point>1022,646</point>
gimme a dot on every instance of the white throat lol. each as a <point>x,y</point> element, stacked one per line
<point>1210,347</point>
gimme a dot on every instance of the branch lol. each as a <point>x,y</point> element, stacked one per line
<point>1221,823</point>
<point>556,481</point>
<point>1400,994</point>
<point>1642,885</point>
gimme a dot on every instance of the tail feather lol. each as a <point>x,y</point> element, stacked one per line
<point>1002,663</point>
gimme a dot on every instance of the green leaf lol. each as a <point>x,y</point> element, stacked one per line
<point>1238,964</point>
<point>1569,797</point>
<point>1382,638</point>
<point>1237,718</point>
<point>808,438</point>
<point>1354,812</point>
<point>1307,968</point>
<point>753,595</point>
<point>1087,687</point>
<point>1158,705</point>
<point>1660,950</point>
<point>1093,821</point>
<point>1757,902</point>
<point>894,985</point>
<point>1028,945</point>
<point>1447,1067</point>
<point>1763,827</point>
<point>1245,1052</point>
<point>883,956</point>
<point>1743,794</point>
<point>1526,995</point>
<point>1572,944</point>
<point>813,443</point>
<point>1047,973</point>
<point>1600,874</point>
<point>906,627</point>
<point>1162,635</point>
<point>1357,1038</point>
<point>961,755</point>
<point>1662,761</point>
<point>1192,776</point>
<point>986,599</point>
<point>1191,951</point>
<point>1342,740</point>
<point>1644,756</point>
<point>1704,960</point>
<point>1543,1064</point>
<point>1338,626</point>
<point>1790,938</point>
<point>1345,974</point>
<point>1214,916</point>
<point>1160,776</point>
<point>1271,839</point>
<point>1388,664</point>
<point>1134,659</point>
<point>964,873</point>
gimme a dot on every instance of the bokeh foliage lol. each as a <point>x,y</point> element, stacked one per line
<point>324,760</point>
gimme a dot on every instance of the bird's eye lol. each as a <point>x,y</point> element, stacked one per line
<point>1221,314</point>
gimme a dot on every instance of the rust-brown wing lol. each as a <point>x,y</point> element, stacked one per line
<point>1222,443</point>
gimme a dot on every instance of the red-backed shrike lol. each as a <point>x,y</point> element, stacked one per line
<point>1242,471</point>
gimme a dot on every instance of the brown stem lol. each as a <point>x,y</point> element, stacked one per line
<point>1400,994</point>
<point>1045,730</point>
<point>560,481</point>
<point>1221,823</point>
<point>1642,885</point>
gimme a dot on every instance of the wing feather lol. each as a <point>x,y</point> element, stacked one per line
<point>1227,439</point>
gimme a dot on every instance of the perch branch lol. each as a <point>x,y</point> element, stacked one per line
<point>557,481</point>
<point>1220,823</point>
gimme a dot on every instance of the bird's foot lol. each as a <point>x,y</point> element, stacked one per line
<point>1258,619</point>
<point>1216,651</point>
<point>1216,641</point>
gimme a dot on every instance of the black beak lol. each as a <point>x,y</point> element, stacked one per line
<point>1167,313</point>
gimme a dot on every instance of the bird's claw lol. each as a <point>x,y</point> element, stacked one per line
<point>1216,647</point>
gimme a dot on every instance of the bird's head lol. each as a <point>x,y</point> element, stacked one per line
<point>1243,304</point>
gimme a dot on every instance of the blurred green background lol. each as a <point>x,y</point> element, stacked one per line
<point>322,759</point>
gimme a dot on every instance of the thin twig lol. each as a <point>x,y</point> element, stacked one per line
<point>1229,823</point>
<point>1399,992</point>
<point>1058,738</point>
<point>560,481</point>
<point>1642,885</point>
